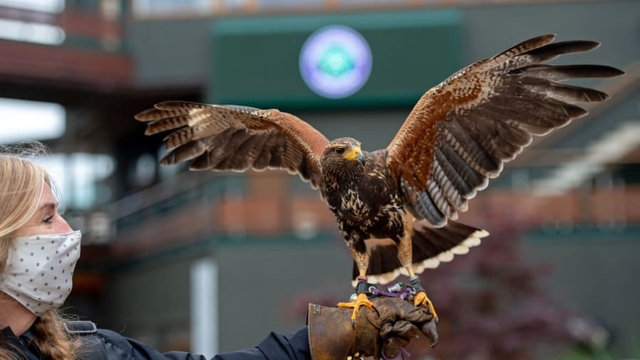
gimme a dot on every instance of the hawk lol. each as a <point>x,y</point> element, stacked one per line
<point>396,207</point>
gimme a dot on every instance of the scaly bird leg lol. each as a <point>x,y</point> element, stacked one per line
<point>362,261</point>
<point>405,255</point>
<point>421,298</point>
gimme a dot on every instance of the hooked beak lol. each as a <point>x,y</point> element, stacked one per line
<point>354,153</point>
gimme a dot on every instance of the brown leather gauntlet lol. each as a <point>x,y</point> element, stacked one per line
<point>397,322</point>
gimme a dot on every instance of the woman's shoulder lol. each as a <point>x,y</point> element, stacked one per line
<point>110,335</point>
<point>119,340</point>
<point>88,331</point>
<point>115,342</point>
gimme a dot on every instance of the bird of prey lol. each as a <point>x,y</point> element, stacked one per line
<point>396,207</point>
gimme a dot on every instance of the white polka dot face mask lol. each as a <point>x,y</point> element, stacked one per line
<point>39,270</point>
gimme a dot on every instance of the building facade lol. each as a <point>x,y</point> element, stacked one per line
<point>213,262</point>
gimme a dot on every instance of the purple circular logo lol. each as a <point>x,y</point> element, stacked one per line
<point>335,61</point>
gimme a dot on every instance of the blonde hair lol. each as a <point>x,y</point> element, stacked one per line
<point>21,186</point>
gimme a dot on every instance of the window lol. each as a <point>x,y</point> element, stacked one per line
<point>165,8</point>
<point>79,177</point>
<point>31,120</point>
<point>47,6</point>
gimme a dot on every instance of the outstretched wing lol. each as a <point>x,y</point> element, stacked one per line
<point>461,132</point>
<point>236,138</point>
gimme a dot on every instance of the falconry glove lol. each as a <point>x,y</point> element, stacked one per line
<point>381,334</point>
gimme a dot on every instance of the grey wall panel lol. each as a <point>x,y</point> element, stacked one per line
<point>258,283</point>
<point>170,52</point>
<point>151,301</point>
<point>613,23</point>
<point>597,276</point>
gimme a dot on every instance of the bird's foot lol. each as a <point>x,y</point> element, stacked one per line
<point>421,299</point>
<point>361,300</point>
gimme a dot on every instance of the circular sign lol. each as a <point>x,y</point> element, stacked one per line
<point>335,61</point>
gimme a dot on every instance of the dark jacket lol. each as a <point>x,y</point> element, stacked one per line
<point>118,347</point>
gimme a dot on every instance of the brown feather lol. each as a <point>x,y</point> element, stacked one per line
<point>566,72</point>
<point>236,138</point>
<point>483,116</point>
<point>460,186</point>
<point>155,114</point>
<point>173,122</point>
<point>552,51</point>
<point>526,46</point>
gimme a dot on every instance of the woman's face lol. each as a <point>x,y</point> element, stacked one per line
<point>46,220</point>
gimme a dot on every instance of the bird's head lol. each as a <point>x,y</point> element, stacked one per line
<point>343,149</point>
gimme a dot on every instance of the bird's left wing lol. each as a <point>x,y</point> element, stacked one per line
<point>461,132</point>
<point>236,138</point>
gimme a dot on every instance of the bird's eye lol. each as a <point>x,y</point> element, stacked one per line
<point>340,150</point>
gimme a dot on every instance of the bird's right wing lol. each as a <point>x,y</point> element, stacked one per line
<point>236,138</point>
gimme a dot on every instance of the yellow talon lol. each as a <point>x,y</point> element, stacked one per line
<point>361,300</point>
<point>421,299</point>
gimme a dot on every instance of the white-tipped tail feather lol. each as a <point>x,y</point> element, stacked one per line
<point>473,240</point>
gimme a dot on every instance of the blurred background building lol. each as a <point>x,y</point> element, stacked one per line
<point>213,262</point>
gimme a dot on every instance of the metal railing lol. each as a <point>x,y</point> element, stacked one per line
<point>196,205</point>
